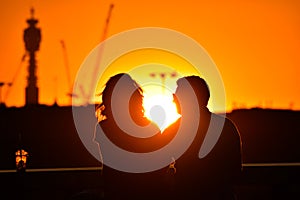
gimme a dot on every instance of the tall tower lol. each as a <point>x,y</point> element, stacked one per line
<point>32,39</point>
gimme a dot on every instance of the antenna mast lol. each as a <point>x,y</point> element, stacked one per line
<point>32,39</point>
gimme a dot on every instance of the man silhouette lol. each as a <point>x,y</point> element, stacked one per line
<point>214,175</point>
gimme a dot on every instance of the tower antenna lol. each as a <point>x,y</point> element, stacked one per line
<point>32,39</point>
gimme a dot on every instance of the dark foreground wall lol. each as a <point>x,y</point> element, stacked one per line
<point>268,135</point>
<point>259,183</point>
<point>50,137</point>
<point>47,133</point>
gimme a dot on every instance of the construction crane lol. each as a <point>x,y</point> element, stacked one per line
<point>99,56</point>
<point>66,62</point>
<point>104,35</point>
<point>2,84</point>
<point>11,83</point>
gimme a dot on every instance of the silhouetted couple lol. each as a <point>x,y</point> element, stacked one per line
<point>207,154</point>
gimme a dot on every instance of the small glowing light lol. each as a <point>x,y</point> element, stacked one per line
<point>21,159</point>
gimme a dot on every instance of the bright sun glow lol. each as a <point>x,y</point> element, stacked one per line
<point>161,110</point>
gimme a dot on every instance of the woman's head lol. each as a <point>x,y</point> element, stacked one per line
<point>128,93</point>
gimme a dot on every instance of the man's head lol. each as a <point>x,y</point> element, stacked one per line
<point>192,86</point>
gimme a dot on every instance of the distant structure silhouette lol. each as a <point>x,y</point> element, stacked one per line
<point>100,51</point>
<point>163,76</point>
<point>70,93</point>
<point>32,39</point>
<point>1,85</point>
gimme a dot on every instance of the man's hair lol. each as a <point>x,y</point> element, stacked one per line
<point>200,88</point>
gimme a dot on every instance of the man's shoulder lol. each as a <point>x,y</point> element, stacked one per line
<point>224,118</point>
<point>228,124</point>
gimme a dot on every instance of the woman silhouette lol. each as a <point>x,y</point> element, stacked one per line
<point>123,120</point>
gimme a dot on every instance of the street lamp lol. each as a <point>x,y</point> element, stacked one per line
<point>21,159</point>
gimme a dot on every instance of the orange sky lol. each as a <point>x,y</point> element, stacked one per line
<point>255,44</point>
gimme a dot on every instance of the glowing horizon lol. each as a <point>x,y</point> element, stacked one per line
<point>254,44</point>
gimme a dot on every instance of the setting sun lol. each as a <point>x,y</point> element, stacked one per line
<point>161,110</point>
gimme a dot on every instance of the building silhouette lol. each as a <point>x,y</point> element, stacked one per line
<point>32,39</point>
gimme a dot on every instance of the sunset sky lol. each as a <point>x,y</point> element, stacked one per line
<point>255,44</point>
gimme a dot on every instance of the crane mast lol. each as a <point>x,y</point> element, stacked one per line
<point>98,59</point>
<point>68,71</point>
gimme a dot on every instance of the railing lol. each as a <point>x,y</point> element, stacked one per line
<point>259,181</point>
<point>56,169</point>
<point>245,165</point>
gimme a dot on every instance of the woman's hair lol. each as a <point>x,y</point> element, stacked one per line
<point>127,84</point>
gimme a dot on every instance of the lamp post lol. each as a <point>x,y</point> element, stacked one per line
<point>21,160</point>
